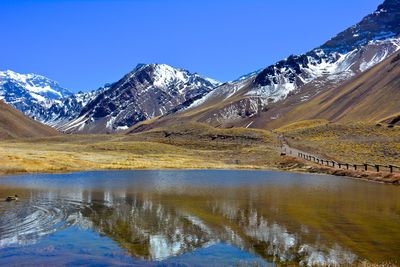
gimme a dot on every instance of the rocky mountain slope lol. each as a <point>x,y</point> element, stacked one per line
<point>67,109</point>
<point>372,96</point>
<point>273,91</point>
<point>148,91</point>
<point>14,124</point>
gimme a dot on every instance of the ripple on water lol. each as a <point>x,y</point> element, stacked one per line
<point>25,221</point>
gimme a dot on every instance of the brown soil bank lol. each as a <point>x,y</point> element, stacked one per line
<point>295,164</point>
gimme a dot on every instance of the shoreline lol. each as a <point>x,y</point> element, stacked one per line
<point>290,165</point>
<point>308,167</point>
<point>192,147</point>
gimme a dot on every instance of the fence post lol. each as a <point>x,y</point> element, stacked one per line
<point>355,167</point>
<point>366,166</point>
<point>391,168</point>
<point>377,168</point>
<point>340,165</point>
<point>333,164</point>
<point>347,165</point>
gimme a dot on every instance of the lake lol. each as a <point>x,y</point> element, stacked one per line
<point>197,218</point>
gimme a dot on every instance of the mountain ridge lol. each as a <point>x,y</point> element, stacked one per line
<point>301,77</point>
<point>62,109</point>
<point>160,91</point>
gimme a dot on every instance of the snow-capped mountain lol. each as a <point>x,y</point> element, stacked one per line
<point>30,93</point>
<point>351,52</point>
<point>150,90</point>
<point>146,92</point>
<point>158,90</point>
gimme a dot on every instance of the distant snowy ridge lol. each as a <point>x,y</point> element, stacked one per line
<point>39,87</point>
<point>30,93</point>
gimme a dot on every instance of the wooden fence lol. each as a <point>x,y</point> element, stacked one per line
<point>349,166</point>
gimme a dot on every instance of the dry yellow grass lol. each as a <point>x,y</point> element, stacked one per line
<point>198,146</point>
<point>181,147</point>
<point>301,125</point>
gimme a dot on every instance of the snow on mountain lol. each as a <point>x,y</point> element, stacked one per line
<point>41,98</point>
<point>66,109</point>
<point>153,90</point>
<point>278,81</point>
<point>32,94</point>
<point>40,87</point>
<point>150,90</point>
<point>351,52</point>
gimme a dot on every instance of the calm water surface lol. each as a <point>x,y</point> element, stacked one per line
<point>197,218</point>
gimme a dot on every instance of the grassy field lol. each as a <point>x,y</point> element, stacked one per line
<point>198,146</point>
<point>193,146</point>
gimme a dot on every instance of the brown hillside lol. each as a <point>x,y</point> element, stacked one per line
<point>370,97</point>
<point>14,124</point>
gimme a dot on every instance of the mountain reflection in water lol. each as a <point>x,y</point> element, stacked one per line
<point>323,221</point>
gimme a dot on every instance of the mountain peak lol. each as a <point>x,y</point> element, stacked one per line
<point>14,75</point>
<point>30,93</point>
<point>390,5</point>
<point>139,66</point>
<point>380,25</point>
<point>42,87</point>
<point>158,66</point>
<point>148,91</point>
<point>163,75</point>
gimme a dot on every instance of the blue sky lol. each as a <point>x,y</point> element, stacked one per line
<point>85,44</point>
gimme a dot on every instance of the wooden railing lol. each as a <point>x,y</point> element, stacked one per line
<point>350,166</point>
